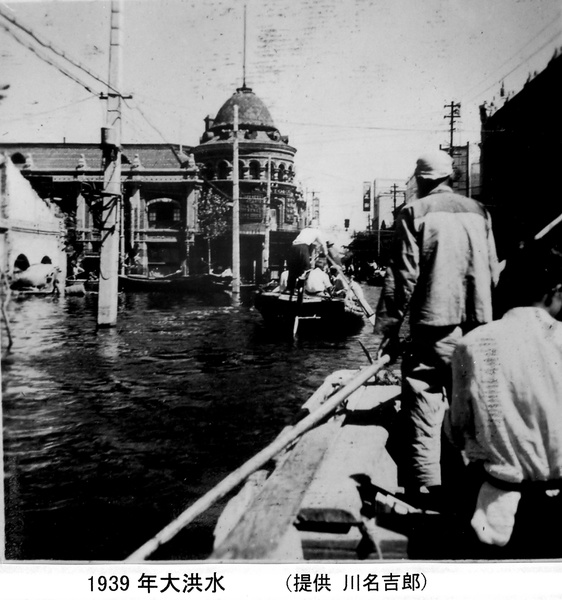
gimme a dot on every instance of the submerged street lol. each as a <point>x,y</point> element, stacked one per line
<point>110,434</point>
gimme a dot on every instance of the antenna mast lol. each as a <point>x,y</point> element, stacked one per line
<point>244,52</point>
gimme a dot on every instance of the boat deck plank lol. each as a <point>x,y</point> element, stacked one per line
<point>313,482</point>
<point>357,450</point>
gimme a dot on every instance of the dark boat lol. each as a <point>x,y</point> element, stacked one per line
<point>143,283</point>
<point>175,283</point>
<point>208,283</point>
<point>332,313</point>
<point>89,285</point>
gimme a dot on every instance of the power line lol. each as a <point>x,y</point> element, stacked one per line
<point>48,60</point>
<point>58,52</point>
<point>549,41</point>
<point>508,61</point>
<point>30,115</point>
<point>370,127</point>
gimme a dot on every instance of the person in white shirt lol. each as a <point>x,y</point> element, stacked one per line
<point>506,417</point>
<point>318,281</point>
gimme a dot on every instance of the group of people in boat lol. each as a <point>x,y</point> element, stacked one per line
<point>314,264</point>
<point>480,425</point>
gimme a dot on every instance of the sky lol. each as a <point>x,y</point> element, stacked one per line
<point>358,86</point>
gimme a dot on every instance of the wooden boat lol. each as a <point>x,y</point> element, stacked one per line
<point>175,283</point>
<point>286,310</point>
<point>24,292</point>
<point>331,492</point>
<point>206,283</point>
<point>143,283</point>
<point>89,285</point>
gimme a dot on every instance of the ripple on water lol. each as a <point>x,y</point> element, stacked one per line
<point>110,434</point>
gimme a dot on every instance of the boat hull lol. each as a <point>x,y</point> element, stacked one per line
<point>175,284</point>
<point>312,311</point>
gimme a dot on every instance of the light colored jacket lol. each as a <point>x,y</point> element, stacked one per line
<point>443,264</point>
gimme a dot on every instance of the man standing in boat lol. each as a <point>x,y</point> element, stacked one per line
<point>442,269</point>
<point>306,247</point>
<point>506,415</point>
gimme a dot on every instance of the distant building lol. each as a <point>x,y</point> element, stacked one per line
<point>31,228</point>
<point>521,154</point>
<point>160,187</point>
<point>266,166</point>
<point>163,186</point>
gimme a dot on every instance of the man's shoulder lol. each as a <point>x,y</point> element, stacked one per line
<point>446,201</point>
<point>486,332</point>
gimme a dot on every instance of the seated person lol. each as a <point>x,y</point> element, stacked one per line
<point>338,282</point>
<point>506,418</point>
<point>283,281</point>
<point>318,281</point>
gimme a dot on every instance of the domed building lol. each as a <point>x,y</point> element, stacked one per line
<point>271,209</point>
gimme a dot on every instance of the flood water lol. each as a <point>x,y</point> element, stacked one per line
<point>110,434</point>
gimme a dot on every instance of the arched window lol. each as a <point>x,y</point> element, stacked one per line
<point>21,263</point>
<point>223,170</point>
<point>290,173</point>
<point>46,260</point>
<point>209,171</point>
<point>255,169</point>
<point>282,173</point>
<point>242,170</point>
<point>18,158</point>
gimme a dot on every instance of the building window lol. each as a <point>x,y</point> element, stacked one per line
<point>209,171</point>
<point>223,170</point>
<point>255,169</point>
<point>164,213</point>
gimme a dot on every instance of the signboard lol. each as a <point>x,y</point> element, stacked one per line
<point>366,196</point>
<point>251,208</point>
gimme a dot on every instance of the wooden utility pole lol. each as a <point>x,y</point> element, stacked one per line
<point>235,215</point>
<point>455,113</point>
<point>394,188</point>
<point>111,146</point>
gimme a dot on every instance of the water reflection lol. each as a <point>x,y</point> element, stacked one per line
<point>109,434</point>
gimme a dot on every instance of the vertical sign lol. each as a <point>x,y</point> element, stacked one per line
<point>366,196</point>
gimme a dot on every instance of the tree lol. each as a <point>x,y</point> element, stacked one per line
<point>214,213</point>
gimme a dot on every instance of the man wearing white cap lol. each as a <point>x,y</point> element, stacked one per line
<point>442,269</point>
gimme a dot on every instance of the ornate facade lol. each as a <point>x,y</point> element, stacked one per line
<point>159,209</point>
<point>162,186</point>
<point>271,208</point>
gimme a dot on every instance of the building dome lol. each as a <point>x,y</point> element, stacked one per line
<point>252,112</point>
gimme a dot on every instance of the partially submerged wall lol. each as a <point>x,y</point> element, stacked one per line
<point>29,225</point>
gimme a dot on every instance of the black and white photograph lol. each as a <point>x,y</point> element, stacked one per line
<point>281,282</point>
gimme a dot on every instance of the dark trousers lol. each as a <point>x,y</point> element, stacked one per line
<point>297,263</point>
<point>537,533</point>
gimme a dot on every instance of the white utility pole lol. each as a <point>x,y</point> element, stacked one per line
<point>235,215</point>
<point>112,198</point>
<point>267,215</point>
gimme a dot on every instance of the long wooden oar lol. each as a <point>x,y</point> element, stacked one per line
<point>238,476</point>
<point>369,312</point>
<point>548,228</point>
